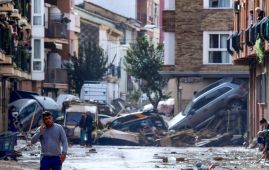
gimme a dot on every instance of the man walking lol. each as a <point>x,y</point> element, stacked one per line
<point>89,128</point>
<point>51,136</point>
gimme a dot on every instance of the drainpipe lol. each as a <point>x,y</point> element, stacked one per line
<point>178,102</point>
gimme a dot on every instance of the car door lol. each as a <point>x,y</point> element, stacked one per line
<point>196,114</point>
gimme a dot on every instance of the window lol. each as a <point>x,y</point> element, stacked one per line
<point>37,65</point>
<point>218,4</point>
<point>37,49</point>
<point>37,54</point>
<point>37,13</point>
<point>215,48</point>
<point>210,97</point>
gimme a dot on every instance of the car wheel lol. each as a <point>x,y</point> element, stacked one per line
<point>236,105</point>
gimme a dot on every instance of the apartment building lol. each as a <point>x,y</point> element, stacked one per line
<point>61,28</point>
<point>15,50</point>
<point>195,34</point>
<point>251,35</point>
<point>35,38</point>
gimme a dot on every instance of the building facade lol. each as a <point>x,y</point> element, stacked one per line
<point>195,34</point>
<point>113,33</point>
<point>30,32</point>
<point>15,50</point>
<point>61,29</point>
<point>251,36</point>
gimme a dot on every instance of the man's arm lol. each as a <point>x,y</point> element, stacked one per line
<point>36,136</point>
<point>65,145</point>
<point>63,140</point>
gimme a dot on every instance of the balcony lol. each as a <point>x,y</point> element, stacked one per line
<point>56,27</point>
<point>243,42</point>
<point>7,60</point>
<point>6,6</point>
<point>56,76</point>
<point>10,71</point>
<point>7,70</point>
<point>2,56</point>
<point>15,14</point>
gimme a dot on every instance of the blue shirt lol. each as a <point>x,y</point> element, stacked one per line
<point>51,140</point>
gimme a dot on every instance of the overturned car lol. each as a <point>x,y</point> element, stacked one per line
<point>226,94</point>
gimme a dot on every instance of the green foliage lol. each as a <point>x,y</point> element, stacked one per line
<point>133,96</point>
<point>259,47</point>
<point>90,65</point>
<point>144,61</point>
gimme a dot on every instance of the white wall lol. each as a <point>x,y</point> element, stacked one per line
<point>169,48</point>
<point>169,5</point>
<point>111,48</point>
<point>123,79</point>
<point>38,32</point>
<point>74,25</point>
<point>126,8</point>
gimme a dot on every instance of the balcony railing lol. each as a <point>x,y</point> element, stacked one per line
<point>52,2</point>
<point>6,42</point>
<point>22,59</point>
<point>56,29</point>
<point>56,75</point>
<point>56,26</point>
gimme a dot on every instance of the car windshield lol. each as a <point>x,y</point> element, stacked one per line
<point>187,109</point>
<point>72,118</point>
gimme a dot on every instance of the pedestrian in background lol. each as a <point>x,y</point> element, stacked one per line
<point>260,13</point>
<point>82,125</point>
<point>51,136</point>
<point>264,124</point>
<point>89,128</point>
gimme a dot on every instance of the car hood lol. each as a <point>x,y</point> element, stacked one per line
<point>175,120</point>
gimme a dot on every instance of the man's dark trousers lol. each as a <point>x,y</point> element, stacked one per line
<point>50,163</point>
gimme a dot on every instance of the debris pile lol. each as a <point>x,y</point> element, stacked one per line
<point>225,128</point>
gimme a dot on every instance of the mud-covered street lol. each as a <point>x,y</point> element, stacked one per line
<point>145,158</point>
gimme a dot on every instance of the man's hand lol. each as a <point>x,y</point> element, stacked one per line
<point>62,157</point>
<point>42,128</point>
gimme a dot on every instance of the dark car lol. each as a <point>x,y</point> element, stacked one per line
<point>230,94</point>
<point>30,110</point>
<point>29,113</point>
<point>136,121</point>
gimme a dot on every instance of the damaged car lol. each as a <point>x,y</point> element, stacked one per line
<point>29,111</point>
<point>149,126</point>
<point>228,94</point>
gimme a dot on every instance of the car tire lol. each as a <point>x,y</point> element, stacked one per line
<point>236,105</point>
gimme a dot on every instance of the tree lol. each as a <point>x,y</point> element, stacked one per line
<point>90,65</point>
<point>144,61</point>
